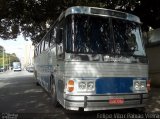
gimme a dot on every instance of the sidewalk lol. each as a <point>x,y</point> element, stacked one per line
<point>154,101</point>
<point>4,73</point>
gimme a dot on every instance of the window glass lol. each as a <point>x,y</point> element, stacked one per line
<point>103,35</point>
<point>52,37</point>
<point>89,35</point>
<point>127,38</point>
<point>47,38</point>
<point>42,45</point>
<point>39,47</point>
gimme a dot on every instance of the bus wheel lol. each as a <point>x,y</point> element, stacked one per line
<point>54,94</point>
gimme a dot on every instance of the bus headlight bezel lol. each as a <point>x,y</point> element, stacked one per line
<point>139,85</point>
<point>82,85</point>
<point>86,85</point>
<point>90,86</point>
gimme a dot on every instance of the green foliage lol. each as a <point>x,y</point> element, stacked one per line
<point>30,16</point>
<point>8,58</point>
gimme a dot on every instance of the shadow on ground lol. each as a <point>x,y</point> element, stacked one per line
<point>21,95</point>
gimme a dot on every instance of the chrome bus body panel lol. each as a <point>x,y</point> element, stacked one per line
<point>101,12</point>
<point>91,70</point>
<point>78,69</point>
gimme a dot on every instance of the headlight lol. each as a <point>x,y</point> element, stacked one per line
<point>86,85</point>
<point>143,85</point>
<point>90,86</point>
<point>82,85</point>
<point>139,85</point>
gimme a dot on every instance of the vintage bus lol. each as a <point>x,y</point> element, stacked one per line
<point>93,59</point>
<point>17,66</point>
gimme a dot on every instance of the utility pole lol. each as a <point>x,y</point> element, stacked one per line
<point>3,59</point>
<point>6,62</point>
<point>9,63</point>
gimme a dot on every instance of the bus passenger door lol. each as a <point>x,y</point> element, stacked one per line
<point>60,66</point>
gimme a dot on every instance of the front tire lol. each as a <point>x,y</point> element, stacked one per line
<point>54,94</point>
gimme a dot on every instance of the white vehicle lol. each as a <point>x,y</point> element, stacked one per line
<point>17,66</point>
<point>93,59</point>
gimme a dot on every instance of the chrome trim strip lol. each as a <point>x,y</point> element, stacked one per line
<point>101,12</point>
<point>106,104</point>
<point>145,95</point>
<point>98,69</point>
<point>74,98</point>
<point>74,104</point>
<point>110,97</point>
<point>98,98</point>
<point>112,108</point>
<point>145,101</point>
<point>101,105</point>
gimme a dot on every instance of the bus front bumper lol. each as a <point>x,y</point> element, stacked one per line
<point>101,102</point>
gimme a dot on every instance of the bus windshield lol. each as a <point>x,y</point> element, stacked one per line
<point>103,35</point>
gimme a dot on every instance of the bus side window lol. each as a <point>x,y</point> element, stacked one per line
<point>59,36</point>
<point>35,52</point>
<point>52,37</point>
<point>59,42</point>
<point>39,47</point>
<point>47,41</point>
<point>43,46</point>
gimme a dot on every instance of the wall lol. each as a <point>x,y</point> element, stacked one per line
<point>154,64</point>
<point>153,52</point>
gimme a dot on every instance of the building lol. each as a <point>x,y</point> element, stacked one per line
<point>29,54</point>
<point>153,53</point>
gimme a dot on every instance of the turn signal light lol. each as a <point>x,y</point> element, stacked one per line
<point>148,85</point>
<point>70,85</point>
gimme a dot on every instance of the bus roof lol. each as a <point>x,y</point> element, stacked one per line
<point>99,12</point>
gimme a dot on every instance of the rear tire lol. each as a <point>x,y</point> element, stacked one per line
<point>54,94</point>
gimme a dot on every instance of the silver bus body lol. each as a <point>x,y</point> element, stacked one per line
<point>92,81</point>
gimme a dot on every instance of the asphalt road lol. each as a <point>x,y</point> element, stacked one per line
<point>20,97</point>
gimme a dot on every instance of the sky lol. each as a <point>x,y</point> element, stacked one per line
<point>16,46</point>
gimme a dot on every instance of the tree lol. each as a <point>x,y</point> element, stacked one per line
<point>1,48</point>
<point>149,12</point>
<point>13,58</point>
<point>8,58</point>
<point>30,17</point>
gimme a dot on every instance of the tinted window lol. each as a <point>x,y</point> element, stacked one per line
<point>103,35</point>
<point>43,46</point>
<point>52,37</point>
<point>47,38</point>
<point>89,35</point>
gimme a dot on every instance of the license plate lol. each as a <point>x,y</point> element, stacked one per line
<point>116,101</point>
